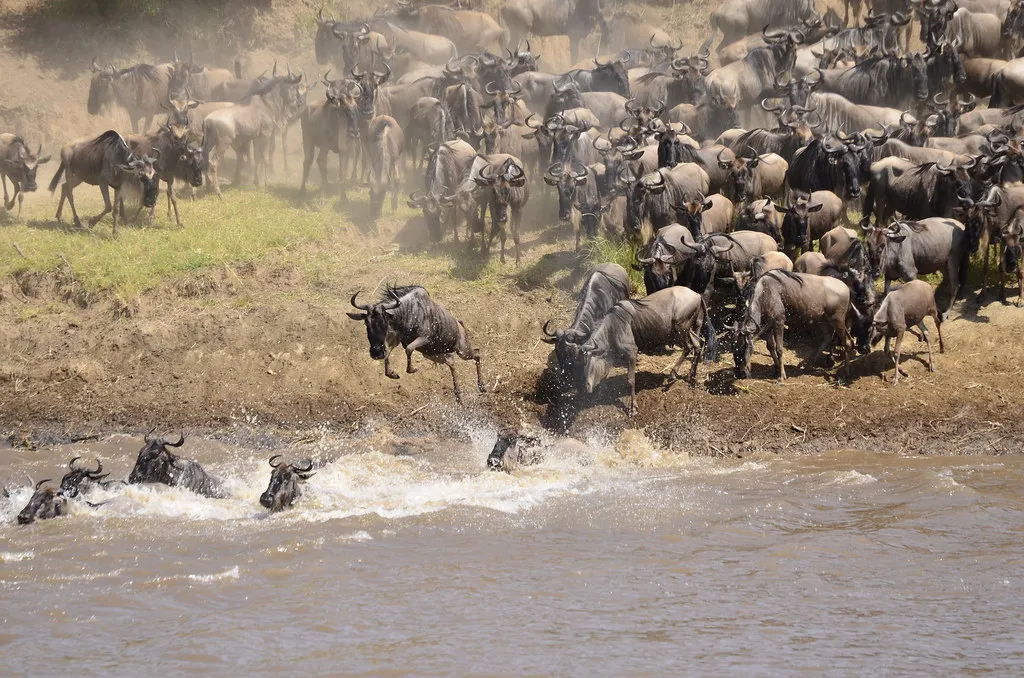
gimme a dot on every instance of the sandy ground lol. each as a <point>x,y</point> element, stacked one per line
<point>268,347</point>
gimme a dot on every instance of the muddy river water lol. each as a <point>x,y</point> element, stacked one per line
<point>609,559</point>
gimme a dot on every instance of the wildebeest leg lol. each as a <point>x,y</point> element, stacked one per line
<point>21,198</point>
<point>172,200</point>
<point>105,191</point>
<point>10,204</point>
<point>342,195</point>
<point>391,374</point>
<point>449,360</point>
<point>118,203</point>
<point>928,343</point>
<point>984,272</point>
<point>631,378</point>
<point>778,333</point>
<point>516,219</point>
<point>896,358</point>
<point>68,192</point>
<point>413,346</point>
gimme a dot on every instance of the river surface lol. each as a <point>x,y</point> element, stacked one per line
<point>609,559</point>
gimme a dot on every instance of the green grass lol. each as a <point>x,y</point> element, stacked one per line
<point>246,226</point>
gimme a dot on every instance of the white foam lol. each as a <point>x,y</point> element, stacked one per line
<point>16,556</point>
<point>231,573</point>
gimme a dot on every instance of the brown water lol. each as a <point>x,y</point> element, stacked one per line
<point>607,560</point>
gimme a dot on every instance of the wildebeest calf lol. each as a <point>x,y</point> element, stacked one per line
<point>157,464</point>
<point>904,307</point>
<point>674,316</point>
<point>408,316</point>
<point>19,164</point>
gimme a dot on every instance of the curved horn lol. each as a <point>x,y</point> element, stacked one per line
<point>938,101</point>
<point>99,469</point>
<point>146,438</point>
<point>320,16</point>
<point>181,441</point>
<point>545,330</point>
<point>769,109</point>
<point>271,461</point>
<point>356,304</point>
<point>394,302</point>
<point>71,464</point>
<point>491,87</point>
<point>40,483</point>
<point>306,469</point>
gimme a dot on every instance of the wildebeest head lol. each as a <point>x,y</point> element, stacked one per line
<point>191,159</point>
<point>1011,235</point>
<point>942,64</point>
<point>562,138</point>
<point>521,60</point>
<point>948,112</point>
<point>78,479</point>
<point>493,70</point>
<point>285,484</point>
<point>794,224</point>
<point>566,179</point>
<point>976,215</point>
<point>326,37</point>
<point>366,92</point>
<point>691,214</point>
<point>45,503</point>
<point>741,172</point>
<point>504,100</point>
<point>431,206</point>
<point>155,461</point>
<point>798,90</point>
<point>567,352</point>
<point>178,111</point>
<point>850,154</point>
<point>566,95</point>
<point>614,154</point>
<point>636,196</point>
<point>26,165</point>
<point>377,318</point>
<point>610,77</point>
<point>510,175</point>
<point>142,169</point>
<point>101,88</point>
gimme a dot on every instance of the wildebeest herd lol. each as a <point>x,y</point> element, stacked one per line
<point>722,166</point>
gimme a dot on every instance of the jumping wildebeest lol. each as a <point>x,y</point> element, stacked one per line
<point>779,296</point>
<point>141,90</point>
<point>105,161</point>
<point>408,316</point>
<point>157,464</point>
<point>907,249</point>
<point>904,307</point>
<point>19,163</point>
<point>285,485</point>
<point>386,148</point>
<point>44,504</point>
<point>607,285</point>
<point>676,316</point>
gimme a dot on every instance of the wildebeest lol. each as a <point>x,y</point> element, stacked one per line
<point>831,164</point>
<point>472,32</point>
<point>175,157</point>
<point>897,82</point>
<point>513,449</point>
<point>704,216</point>
<point>808,218</point>
<point>408,316</point>
<point>1011,261</point>
<point>253,123</point>
<point>431,49</point>
<point>754,175</point>
<point>578,196</point>
<point>737,18</point>
<point>916,191</point>
<point>907,249</point>
<point>607,285</point>
<point>80,479</point>
<point>285,485</point>
<point>675,316</point>
<point>141,90</point>
<point>198,81</point>
<point>19,164</point>
<point>104,161</point>
<point>744,82</point>
<point>780,296</point>
<point>157,464</point>
<point>386,148</point>
<point>44,504</point>
<point>903,307</point>
<point>651,196</point>
<point>503,178</point>
<point>575,19</point>
<point>445,168</point>
<point>331,127</point>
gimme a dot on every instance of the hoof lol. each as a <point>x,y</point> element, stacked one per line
<point>392,375</point>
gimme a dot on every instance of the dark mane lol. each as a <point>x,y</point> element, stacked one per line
<point>147,71</point>
<point>398,291</point>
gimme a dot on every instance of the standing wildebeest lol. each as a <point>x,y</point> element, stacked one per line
<point>607,285</point>
<point>915,191</point>
<point>737,18</point>
<point>157,464</point>
<point>808,218</point>
<point>904,307</point>
<point>1011,261</point>
<point>430,49</point>
<point>907,249</point>
<point>386,148</point>
<point>285,485</point>
<point>331,127</point>
<point>408,316</point>
<point>754,175</point>
<point>175,159</point>
<point>578,196</point>
<point>742,83</point>
<point>253,123</point>
<point>779,296</point>
<point>704,216</point>
<point>651,196</point>
<point>472,32</point>
<point>504,181</point>
<point>575,19</point>
<point>447,163</point>
<point>105,161</point>
<point>677,316</point>
<point>897,82</point>
<point>19,163</point>
<point>829,164</point>
<point>141,90</point>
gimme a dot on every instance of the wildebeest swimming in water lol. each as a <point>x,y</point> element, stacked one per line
<point>47,502</point>
<point>285,485</point>
<point>157,464</point>
<point>408,316</point>
<point>513,449</point>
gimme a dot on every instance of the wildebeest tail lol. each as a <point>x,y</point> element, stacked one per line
<point>710,337</point>
<point>56,177</point>
<point>998,92</point>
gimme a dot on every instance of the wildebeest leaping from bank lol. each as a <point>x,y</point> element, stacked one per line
<point>157,464</point>
<point>408,316</point>
<point>105,161</point>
